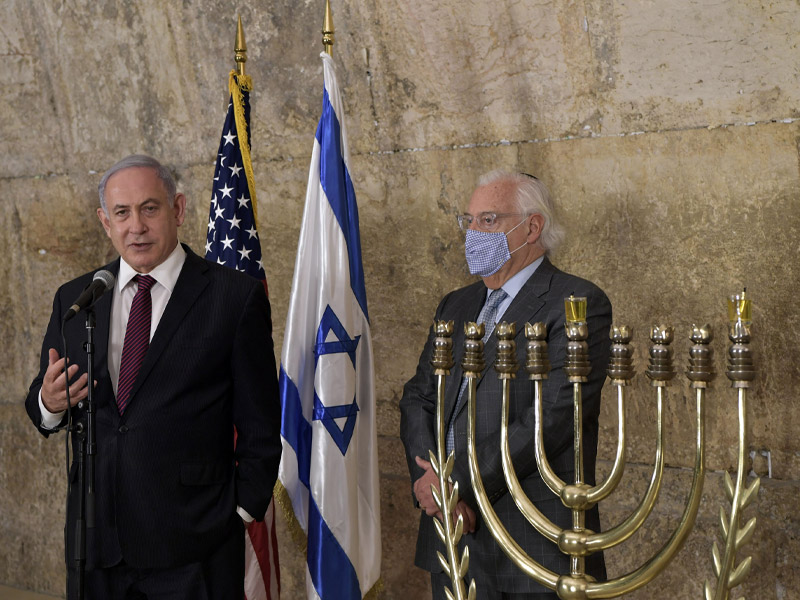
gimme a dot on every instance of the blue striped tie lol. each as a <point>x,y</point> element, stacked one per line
<point>488,316</point>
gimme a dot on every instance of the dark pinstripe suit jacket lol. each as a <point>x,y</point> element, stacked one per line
<point>540,299</point>
<point>167,479</point>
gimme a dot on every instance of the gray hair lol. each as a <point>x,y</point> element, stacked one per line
<point>531,197</point>
<point>134,161</point>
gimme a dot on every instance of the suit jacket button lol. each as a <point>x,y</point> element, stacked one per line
<point>123,429</point>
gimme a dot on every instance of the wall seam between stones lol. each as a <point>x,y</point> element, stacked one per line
<point>493,144</point>
<point>786,120</point>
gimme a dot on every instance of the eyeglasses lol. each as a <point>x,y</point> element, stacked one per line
<point>485,221</point>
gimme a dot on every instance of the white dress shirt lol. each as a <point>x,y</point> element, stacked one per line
<point>514,285</point>
<point>166,275</point>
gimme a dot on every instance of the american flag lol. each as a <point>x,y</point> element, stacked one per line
<point>232,237</point>
<point>232,240</point>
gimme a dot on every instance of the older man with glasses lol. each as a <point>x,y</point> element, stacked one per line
<point>510,229</point>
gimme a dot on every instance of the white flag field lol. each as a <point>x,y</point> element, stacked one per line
<point>329,467</point>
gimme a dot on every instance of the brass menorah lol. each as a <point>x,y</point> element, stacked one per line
<point>579,542</point>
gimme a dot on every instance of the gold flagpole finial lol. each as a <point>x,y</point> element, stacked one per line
<point>327,29</point>
<point>240,48</point>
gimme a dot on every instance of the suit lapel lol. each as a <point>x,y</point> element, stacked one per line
<point>524,308</point>
<point>102,311</point>
<point>191,283</point>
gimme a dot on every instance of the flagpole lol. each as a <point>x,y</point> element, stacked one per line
<point>240,48</point>
<point>327,29</point>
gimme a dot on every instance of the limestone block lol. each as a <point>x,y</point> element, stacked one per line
<point>33,487</point>
<point>292,560</point>
<point>715,63</point>
<point>441,74</point>
<point>399,539</point>
<point>50,235</point>
<point>105,79</point>
<point>105,76</point>
<point>393,461</point>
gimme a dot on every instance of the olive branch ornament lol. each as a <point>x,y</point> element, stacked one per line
<point>446,497</point>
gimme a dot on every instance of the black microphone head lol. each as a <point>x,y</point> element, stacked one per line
<point>107,277</point>
<point>102,282</point>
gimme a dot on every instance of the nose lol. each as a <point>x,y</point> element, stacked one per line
<point>137,223</point>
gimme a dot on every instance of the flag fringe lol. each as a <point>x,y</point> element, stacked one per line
<point>301,540</point>
<point>298,535</point>
<point>375,591</point>
<point>237,84</point>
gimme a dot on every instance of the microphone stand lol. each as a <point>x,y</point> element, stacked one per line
<point>85,431</point>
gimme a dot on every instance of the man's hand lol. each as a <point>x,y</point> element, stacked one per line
<point>422,490</point>
<point>463,509</point>
<point>54,385</point>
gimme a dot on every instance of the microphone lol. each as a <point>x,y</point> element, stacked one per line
<point>101,283</point>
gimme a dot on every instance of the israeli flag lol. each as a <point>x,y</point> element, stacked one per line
<point>329,468</point>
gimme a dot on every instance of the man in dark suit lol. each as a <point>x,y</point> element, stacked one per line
<point>510,228</point>
<point>183,354</point>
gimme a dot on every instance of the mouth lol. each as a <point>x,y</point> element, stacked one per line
<point>139,246</point>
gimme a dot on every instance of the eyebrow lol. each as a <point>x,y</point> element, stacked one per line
<point>146,201</point>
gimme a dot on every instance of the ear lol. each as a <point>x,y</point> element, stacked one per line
<point>536,226</point>
<point>179,208</point>
<point>101,214</point>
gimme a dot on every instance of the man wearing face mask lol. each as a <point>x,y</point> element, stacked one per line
<point>510,229</point>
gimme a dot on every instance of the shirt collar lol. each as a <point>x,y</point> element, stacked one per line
<point>165,274</point>
<point>515,283</point>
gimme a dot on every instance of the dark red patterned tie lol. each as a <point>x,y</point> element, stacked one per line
<point>137,339</point>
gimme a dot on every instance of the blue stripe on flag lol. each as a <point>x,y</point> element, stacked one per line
<point>328,563</point>
<point>335,180</point>
<point>294,428</point>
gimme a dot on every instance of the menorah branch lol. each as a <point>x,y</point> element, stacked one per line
<point>741,372</point>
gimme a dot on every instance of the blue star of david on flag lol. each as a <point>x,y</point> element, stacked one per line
<point>343,344</point>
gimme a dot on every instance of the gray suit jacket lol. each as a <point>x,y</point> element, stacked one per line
<point>540,299</point>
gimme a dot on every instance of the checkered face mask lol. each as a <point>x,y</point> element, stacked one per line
<point>487,251</point>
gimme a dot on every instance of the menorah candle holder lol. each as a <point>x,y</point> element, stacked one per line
<point>446,497</point>
<point>578,542</point>
<point>741,373</point>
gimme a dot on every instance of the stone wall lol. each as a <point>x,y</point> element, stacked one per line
<point>667,131</point>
